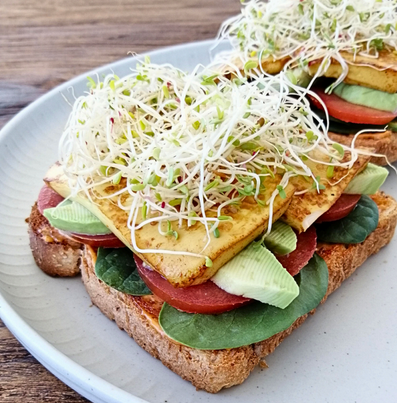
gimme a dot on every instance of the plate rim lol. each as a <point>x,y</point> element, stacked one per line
<point>59,364</point>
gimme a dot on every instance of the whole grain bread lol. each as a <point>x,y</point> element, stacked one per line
<point>54,253</point>
<point>215,370</point>
<point>208,370</point>
<point>381,143</point>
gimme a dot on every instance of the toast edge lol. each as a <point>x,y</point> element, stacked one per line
<point>384,143</point>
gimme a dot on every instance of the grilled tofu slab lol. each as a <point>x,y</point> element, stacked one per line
<point>379,74</point>
<point>305,208</point>
<point>249,221</point>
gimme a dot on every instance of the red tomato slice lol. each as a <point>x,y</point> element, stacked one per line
<point>343,206</point>
<point>206,298</point>
<point>305,248</point>
<point>48,198</point>
<point>348,112</point>
<point>96,241</point>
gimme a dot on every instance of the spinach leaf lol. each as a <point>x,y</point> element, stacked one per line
<point>355,227</point>
<point>116,268</point>
<point>248,324</point>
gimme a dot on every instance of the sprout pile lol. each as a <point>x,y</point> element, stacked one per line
<point>173,146</point>
<point>310,30</point>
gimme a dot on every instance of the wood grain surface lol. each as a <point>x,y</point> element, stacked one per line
<point>46,42</point>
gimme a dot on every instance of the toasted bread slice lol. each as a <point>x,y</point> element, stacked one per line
<point>382,143</point>
<point>54,253</point>
<point>214,370</point>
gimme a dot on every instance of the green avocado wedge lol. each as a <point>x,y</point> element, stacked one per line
<point>368,181</point>
<point>73,217</point>
<point>249,324</point>
<point>356,94</point>
<point>281,239</point>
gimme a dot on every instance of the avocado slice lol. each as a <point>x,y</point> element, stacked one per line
<point>256,273</point>
<point>364,96</point>
<point>281,239</point>
<point>368,181</point>
<point>73,217</point>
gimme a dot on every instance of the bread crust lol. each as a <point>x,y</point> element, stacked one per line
<point>382,143</point>
<point>55,254</point>
<point>218,369</point>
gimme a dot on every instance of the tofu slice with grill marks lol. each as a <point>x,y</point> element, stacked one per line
<point>249,221</point>
<point>304,209</point>
<point>379,74</point>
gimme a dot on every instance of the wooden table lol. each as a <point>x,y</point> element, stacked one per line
<point>46,42</point>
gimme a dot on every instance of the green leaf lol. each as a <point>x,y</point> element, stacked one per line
<point>320,185</point>
<point>251,323</point>
<point>196,124</point>
<point>281,191</point>
<point>310,135</point>
<point>249,146</point>
<point>117,269</point>
<point>300,8</point>
<point>248,190</point>
<point>117,178</point>
<point>156,153</point>
<point>377,44</point>
<point>211,185</point>
<point>137,187</point>
<point>209,80</point>
<point>165,91</point>
<point>225,218</point>
<point>250,64</point>
<point>91,82</point>
<point>339,148</point>
<point>353,228</point>
<point>144,211</point>
<point>220,113</point>
<point>175,202</point>
<point>330,171</point>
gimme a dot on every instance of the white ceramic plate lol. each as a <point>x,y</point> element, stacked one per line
<point>345,353</point>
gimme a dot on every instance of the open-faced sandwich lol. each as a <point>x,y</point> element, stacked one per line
<point>208,216</point>
<point>351,45</point>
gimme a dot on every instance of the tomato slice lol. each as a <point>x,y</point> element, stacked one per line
<point>348,112</point>
<point>96,241</point>
<point>299,258</point>
<point>48,198</point>
<point>206,298</point>
<point>343,206</point>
